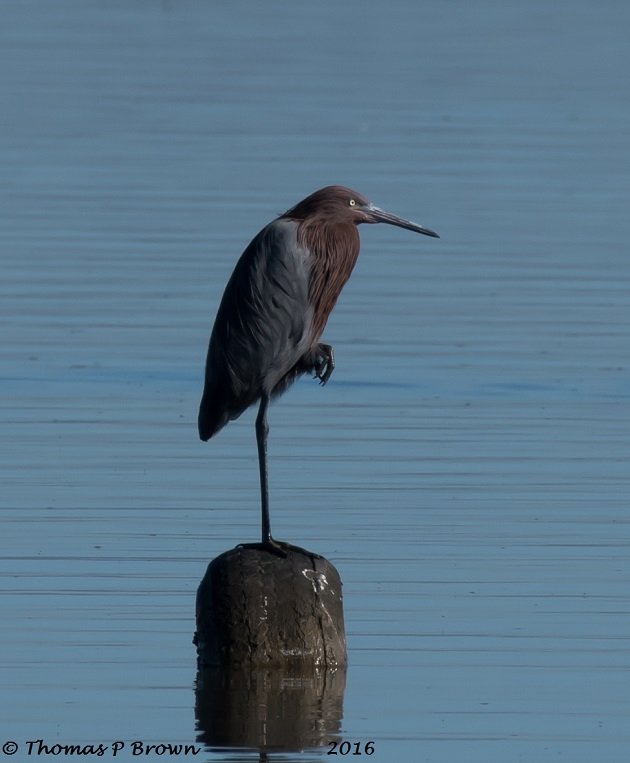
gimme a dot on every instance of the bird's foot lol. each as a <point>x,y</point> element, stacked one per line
<point>271,545</point>
<point>297,549</point>
<point>324,363</point>
<point>280,548</point>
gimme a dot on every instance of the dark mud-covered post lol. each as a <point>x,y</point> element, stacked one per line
<point>258,609</point>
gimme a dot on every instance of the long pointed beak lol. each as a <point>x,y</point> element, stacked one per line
<point>376,215</point>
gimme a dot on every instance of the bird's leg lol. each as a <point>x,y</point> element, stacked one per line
<point>262,430</point>
<point>280,548</point>
<point>324,362</point>
<point>268,543</point>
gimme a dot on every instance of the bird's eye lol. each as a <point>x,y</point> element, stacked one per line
<point>352,202</point>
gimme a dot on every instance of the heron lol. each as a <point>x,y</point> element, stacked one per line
<point>274,310</point>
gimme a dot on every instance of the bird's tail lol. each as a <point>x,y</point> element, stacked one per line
<point>212,416</point>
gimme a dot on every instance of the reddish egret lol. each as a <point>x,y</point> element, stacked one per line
<point>274,310</point>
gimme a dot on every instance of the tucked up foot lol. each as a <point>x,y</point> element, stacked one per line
<point>324,363</point>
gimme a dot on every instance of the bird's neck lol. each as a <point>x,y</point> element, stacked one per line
<point>333,248</point>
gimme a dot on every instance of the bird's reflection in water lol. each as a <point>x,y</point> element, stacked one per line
<point>268,710</point>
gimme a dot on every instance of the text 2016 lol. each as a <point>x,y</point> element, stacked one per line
<point>351,748</point>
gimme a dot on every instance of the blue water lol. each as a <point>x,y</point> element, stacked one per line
<point>467,467</point>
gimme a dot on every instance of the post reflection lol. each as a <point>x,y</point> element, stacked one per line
<point>268,710</point>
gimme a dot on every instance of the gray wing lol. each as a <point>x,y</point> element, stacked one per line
<point>263,326</point>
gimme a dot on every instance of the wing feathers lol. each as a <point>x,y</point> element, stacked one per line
<point>263,325</point>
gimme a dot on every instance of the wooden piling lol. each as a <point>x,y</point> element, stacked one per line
<point>257,609</point>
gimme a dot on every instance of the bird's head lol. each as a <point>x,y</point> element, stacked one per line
<point>338,204</point>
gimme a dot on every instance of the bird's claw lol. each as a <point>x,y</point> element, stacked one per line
<point>325,363</point>
<point>323,377</point>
